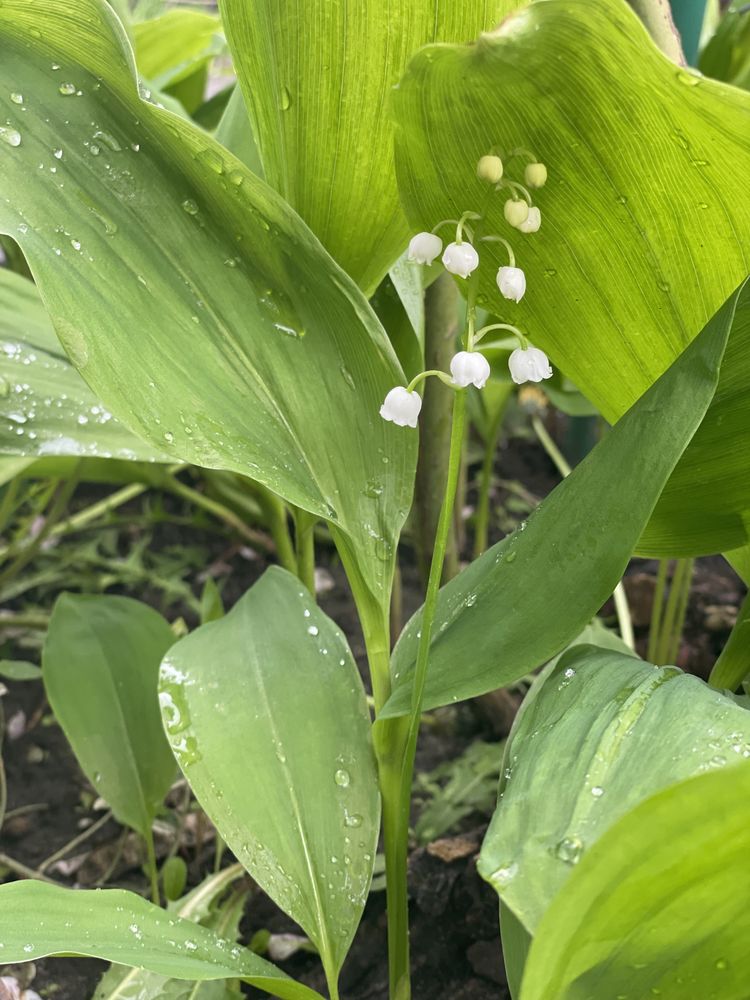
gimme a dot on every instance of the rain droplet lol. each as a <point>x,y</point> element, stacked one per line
<point>722,964</point>
<point>511,557</point>
<point>550,272</point>
<point>569,850</point>
<point>374,489</point>
<point>342,778</point>
<point>190,207</point>
<point>312,630</point>
<point>17,98</point>
<point>352,819</point>
<point>109,140</point>
<point>58,154</point>
<point>11,136</point>
<point>168,437</point>
<point>504,874</point>
<point>285,99</point>
<point>597,791</point>
<point>688,79</point>
<point>67,89</point>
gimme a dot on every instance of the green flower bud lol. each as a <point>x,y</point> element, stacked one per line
<point>490,169</point>
<point>516,211</point>
<point>536,175</point>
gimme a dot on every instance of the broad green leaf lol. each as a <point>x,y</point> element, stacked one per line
<point>658,907</point>
<point>235,133</point>
<point>644,218</point>
<point>45,406</point>
<point>317,78</point>
<point>511,609</point>
<point>267,716</point>
<point>41,919</point>
<point>597,734</point>
<point>174,51</point>
<point>101,664</point>
<point>20,670</point>
<point>727,54</point>
<point>122,983</point>
<point>516,943</point>
<point>199,308</point>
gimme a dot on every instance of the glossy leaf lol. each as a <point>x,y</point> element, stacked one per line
<point>253,352</point>
<point>320,108</point>
<point>171,47</point>
<point>511,609</point>
<point>119,926</point>
<point>101,663</point>
<point>658,907</point>
<point>45,406</point>
<point>267,716</point>
<point>644,215</point>
<point>596,735</point>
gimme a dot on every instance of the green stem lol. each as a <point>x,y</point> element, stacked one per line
<point>397,782</point>
<point>256,538</point>
<point>276,513</point>
<point>657,610</point>
<point>151,866</point>
<point>682,605</point>
<point>305,544</point>
<point>733,664</point>
<point>676,605</point>
<point>482,520</point>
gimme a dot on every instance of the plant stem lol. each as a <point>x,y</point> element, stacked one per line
<point>396,783</point>
<point>441,316</point>
<point>622,608</point>
<point>278,524</point>
<point>223,513</point>
<point>668,637</point>
<point>152,867</point>
<point>88,832</point>
<point>304,524</point>
<point>657,609</point>
<point>482,519</point>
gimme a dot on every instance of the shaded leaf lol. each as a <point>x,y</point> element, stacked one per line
<point>101,663</point>
<point>20,670</point>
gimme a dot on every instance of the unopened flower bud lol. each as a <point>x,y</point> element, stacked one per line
<point>516,211</point>
<point>535,175</point>
<point>533,221</point>
<point>424,248</point>
<point>512,283</point>
<point>460,259</point>
<point>401,407</point>
<point>490,169</point>
<point>531,365</point>
<point>470,368</point>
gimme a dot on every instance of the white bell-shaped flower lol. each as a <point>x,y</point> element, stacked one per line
<point>470,368</point>
<point>532,222</point>
<point>460,259</point>
<point>530,365</point>
<point>401,407</point>
<point>512,283</point>
<point>535,175</point>
<point>424,248</point>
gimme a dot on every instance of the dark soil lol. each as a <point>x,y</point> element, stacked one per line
<point>455,941</point>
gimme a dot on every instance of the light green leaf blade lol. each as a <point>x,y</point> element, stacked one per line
<point>101,663</point>
<point>45,406</point>
<point>644,218</point>
<point>41,920</point>
<point>171,48</point>
<point>658,907</point>
<point>253,352</point>
<point>511,609</point>
<point>20,670</point>
<point>597,734</point>
<point>267,716</point>
<point>320,108</point>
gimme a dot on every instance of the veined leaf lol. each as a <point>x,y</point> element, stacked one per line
<point>644,219</point>
<point>511,609</point>
<point>596,735</point>
<point>101,663</point>
<point>267,716</point>
<point>658,907</point>
<point>317,78</point>
<point>199,308</point>
<point>41,920</point>
<point>45,406</point>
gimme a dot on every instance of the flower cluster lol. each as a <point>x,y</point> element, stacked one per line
<point>461,258</point>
